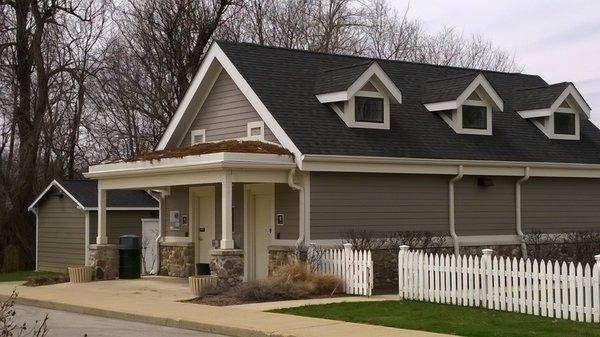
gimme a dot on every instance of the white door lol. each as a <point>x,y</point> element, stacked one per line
<point>202,211</point>
<point>150,232</point>
<point>260,219</point>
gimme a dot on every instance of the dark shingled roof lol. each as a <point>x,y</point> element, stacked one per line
<point>86,192</point>
<point>339,79</point>
<point>539,97</point>
<point>446,89</point>
<point>285,79</point>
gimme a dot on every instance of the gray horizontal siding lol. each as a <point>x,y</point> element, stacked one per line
<point>61,234</point>
<point>225,113</point>
<point>286,203</point>
<point>485,210</point>
<point>341,202</point>
<point>120,223</point>
<point>561,204</point>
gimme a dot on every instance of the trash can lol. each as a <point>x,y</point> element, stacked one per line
<point>130,262</point>
<point>202,269</point>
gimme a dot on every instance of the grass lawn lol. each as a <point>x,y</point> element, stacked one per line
<point>449,319</point>
<point>15,276</point>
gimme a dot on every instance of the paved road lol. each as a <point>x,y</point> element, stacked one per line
<point>66,324</point>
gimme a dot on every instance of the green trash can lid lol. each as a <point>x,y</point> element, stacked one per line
<point>130,242</point>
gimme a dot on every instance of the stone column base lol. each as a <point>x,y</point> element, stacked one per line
<point>177,259</point>
<point>228,265</point>
<point>279,256</point>
<point>104,260</point>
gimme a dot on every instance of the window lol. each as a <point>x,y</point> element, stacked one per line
<point>256,130</point>
<point>368,109</point>
<point>198,136</point>
<point>564,123</point>
<point>474,117</point>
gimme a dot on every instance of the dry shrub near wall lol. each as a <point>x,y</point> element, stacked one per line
<point>579,246</point>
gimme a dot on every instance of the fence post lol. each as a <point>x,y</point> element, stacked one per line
<point>348,274</point>
<point>402,270</point>
<point>487,276</point>
<point>596,289</point>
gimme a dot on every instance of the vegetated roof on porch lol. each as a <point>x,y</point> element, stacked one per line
<point>237,146</point>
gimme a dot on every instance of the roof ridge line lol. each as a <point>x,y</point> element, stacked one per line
<point>543,86</point>
<point>375,58</point>
<point>349,66</point>
<point>455,77</point>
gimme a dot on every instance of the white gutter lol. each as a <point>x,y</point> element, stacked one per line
<point>518,212</point>
<point>300,208</point>
<point>451,219</point>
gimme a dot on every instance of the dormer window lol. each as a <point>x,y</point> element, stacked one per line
<point>368,109</point>
<point>564,123</point>
<point>464,102</point>
<point>474,117</point>
<point>360,94</point>
<point>555,109</point>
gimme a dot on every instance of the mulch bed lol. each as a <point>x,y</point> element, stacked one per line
<point>222,300</point>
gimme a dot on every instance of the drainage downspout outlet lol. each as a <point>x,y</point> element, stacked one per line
<point>451,216</point>
<point>300,189</point>
<point>518,216</point>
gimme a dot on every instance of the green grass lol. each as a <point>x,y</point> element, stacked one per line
<point>449,319</point>
<point>21,275</point>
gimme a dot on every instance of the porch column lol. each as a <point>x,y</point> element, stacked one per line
<point>226,204</point>
<point>101,239</point>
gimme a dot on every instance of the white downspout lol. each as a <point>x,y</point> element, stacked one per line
<point>451,209</point>
<point>518,212</point>
<point>301,205</point>
<point>37,236</point>
<point>161,222</point>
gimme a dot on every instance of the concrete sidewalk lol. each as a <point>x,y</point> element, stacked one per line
<point>154,302</point>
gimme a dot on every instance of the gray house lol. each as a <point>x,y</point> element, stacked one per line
<point>66,216</point>
<point>272,148</point>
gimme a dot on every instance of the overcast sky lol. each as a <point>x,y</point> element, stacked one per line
<point>558,40</point>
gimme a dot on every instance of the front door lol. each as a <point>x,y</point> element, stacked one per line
<point>259,201</point>
<point>202,212</point>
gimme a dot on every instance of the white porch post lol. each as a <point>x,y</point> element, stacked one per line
<point>226,204</point>
<point>101,239</point>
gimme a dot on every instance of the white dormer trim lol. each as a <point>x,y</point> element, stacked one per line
<point>569,90</point>
<point>479,81</point>
<point>388,87</point>
<point>548,127</point>
<point>348,114</point>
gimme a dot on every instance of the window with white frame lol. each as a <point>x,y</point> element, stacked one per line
<point>474,117</point>
<point>198,136</point>
<point>256,130</point>
<point>563,123</point>
<point>369,109</point>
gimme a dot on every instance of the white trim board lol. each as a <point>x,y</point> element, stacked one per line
<point>216,55</point>
<point>56,184</point>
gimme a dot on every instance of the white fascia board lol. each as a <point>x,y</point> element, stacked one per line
<point>441,106</point>
<point>56,184</point>
<point>216,53</point>
<point>378,72</point>
<point>195,163</point>
<point>535,113</point>
<point>339,163</point>
<point>339,96</point>
<point>480,80</point>
<point>571,90</point>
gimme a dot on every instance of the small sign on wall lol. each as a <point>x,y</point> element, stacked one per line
<point>174,223</point>
<point>280,220</point>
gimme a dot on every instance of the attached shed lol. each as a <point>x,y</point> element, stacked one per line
<point>66,213</point>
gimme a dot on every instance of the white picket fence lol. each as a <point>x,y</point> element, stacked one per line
<point>545,288</point>
<point>354,267</point>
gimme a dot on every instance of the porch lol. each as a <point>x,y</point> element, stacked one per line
<point>234,211</point>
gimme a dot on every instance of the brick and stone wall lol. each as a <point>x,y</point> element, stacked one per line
<point>177,259</point>
<point>228,265</point>
<point>279,256</point>
<point>104,260</point>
